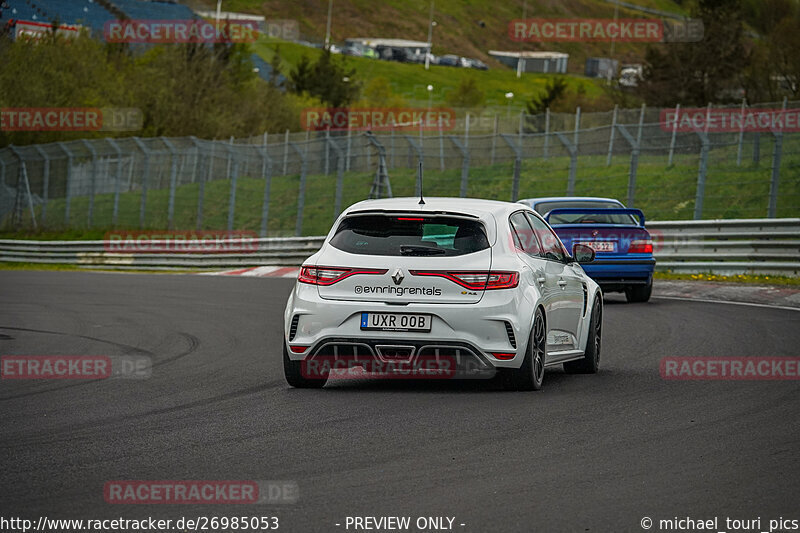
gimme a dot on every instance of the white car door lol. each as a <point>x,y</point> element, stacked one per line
<point>569,302</point>
<point>544,275</point>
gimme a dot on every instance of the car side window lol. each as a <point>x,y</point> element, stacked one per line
<point>551,245</point>
<point>524,236</point>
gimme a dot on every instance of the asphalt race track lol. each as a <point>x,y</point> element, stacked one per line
<point>588,453</point>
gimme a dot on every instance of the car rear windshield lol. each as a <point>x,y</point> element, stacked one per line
<point>409,235</point>
<point>589,218</point>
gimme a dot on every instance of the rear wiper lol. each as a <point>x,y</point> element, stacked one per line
<point>421,250</point>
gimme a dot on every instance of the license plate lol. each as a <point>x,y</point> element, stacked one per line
<point>395,322</point>
<point>600,246</point>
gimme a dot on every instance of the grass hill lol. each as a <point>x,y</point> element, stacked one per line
<point>465,27</point>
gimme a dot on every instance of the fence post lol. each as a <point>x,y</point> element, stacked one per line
<point>517,166</point>
<point>776,175</point>
<point>145,178</point>
<point>466,131</point>
<point>701,176</point>
<point>266,173</point>
<point>234,162</point>
<point>494,138</point>
<point>391,144</point>
<point>573,162</point>
<point>774,183</point>
<point>201,184</point>
<point>93,182</point>
<point>327,150</point>
<point>337,201</point>
<point>741,135</point>
<point>635,145</point>
<point>118,179</point>
<point>173,182</point>
<point>674,135</point>
<point>301,194</point>
<point>577,126</point>
<point>611,135</point>
<point>230,160</point>
<point>756,148</point>
<point>464,149</point>
<point>349,139</point>
<point>46,184</point>
<point>381,180</point>
<point>285,152</point>
<point>521,139</point>
<point>412,147</point>
<point>441,145</point>
<point>641,122</point>
<point>22,173</point>
<point>68,196</point>
<point>546,148</point>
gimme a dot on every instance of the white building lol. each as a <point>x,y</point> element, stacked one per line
<point>541,62</point>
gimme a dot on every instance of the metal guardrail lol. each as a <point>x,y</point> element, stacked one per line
<point>754,246</point>
<point>744,246</point>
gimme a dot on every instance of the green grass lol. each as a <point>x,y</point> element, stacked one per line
<point>410,81</point>
<point>663,193</point>
<point>470,28</point>
<point>741,278</point>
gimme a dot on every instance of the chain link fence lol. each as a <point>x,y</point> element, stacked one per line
<point>297,183</point>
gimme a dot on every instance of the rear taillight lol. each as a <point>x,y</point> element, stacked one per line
<point>330,275</point>
<point>298,349</point>
<point>503,356</point>
<point>642,246</point>
<point>478,281</point>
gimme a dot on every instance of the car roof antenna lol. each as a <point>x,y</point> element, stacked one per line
<point>419,178</point>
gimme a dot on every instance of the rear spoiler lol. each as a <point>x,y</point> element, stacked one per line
<point>597,211</point>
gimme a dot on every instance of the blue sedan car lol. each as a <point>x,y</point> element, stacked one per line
<point>624,259</point>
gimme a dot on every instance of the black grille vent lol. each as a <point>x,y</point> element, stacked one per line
<point>510,332</point>
<point>293,327</point>
<point>585,299</point>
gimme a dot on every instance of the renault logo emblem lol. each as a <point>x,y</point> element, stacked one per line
<point>398,277</point>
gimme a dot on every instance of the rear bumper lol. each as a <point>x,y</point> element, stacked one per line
<point>423,359</point>
<point>620,269</point>
<point>479,328</point>
<point>615,275</point>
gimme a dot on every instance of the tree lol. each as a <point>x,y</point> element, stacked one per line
<point>784,43</point>
<point>553,91</point>
<point>702,72</point>
<point>275,69</point>
<point>328,79</point>
<point>467,94</point>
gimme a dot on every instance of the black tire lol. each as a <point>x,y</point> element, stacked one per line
<point>591,356</point>
<point>530,375</point>
<point>293,372</point>
<point>639,293</point>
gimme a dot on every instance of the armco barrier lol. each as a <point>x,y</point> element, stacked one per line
<point>745,246</point>
<point>754,246</point>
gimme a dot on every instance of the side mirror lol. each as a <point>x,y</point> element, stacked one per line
<point>582,253</point>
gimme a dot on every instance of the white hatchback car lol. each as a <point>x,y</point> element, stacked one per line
<point>451,287</point>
